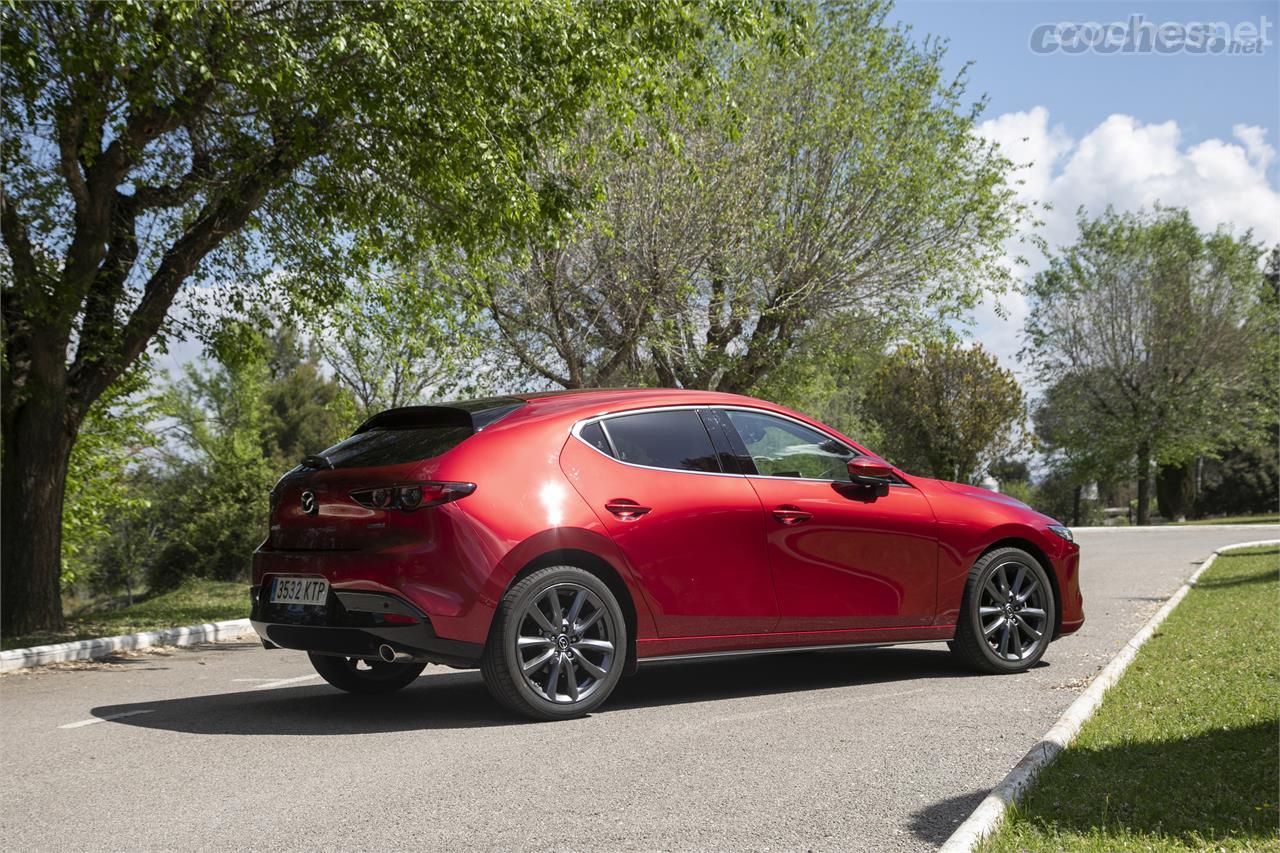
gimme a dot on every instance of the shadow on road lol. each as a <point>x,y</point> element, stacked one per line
<point>443,700</point>
<point>935,823</point>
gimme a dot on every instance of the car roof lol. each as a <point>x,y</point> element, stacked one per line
<point>593,399</point>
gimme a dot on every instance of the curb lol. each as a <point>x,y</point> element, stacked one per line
<point>103,646</point>
<point>990,813</point>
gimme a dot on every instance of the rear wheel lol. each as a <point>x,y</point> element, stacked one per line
<point>558,645</point>
<point>357,675</point>
<point>1007,615</point>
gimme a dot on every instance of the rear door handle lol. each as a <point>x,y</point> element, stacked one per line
<point>626,509</point>
<point>789,515</point>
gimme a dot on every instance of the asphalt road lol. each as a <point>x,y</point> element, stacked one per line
<point>234,747</point>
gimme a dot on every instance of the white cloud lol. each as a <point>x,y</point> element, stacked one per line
<point>1128,165</point>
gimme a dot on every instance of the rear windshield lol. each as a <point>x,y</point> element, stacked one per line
<point>395,445</point>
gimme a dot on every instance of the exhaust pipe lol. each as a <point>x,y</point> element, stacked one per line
<point>390,655</point>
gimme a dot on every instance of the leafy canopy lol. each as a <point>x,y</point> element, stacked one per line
<point>289,144</point>
<point>1155,338</point>
<point>945,410</point>
<point>839,187</point>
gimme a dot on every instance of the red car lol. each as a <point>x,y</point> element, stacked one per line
<point>557,540</point>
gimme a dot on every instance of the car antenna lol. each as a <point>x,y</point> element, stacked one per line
<point>316,460</point>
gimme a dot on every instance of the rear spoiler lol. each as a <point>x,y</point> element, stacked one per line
<point>472,414</point>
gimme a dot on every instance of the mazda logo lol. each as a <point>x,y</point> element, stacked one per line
<point>309,505</point>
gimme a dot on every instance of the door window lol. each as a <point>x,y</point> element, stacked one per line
<point>784,448</point>
<point>674,439</point>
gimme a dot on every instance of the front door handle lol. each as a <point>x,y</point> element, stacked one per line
<point>789,515</point>
<point>626,509</point>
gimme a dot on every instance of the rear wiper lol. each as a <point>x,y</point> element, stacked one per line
<point>315,460</point>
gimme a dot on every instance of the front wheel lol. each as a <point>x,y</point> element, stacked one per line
<point>357,675</point>
<point>558,645</point>
<point>1007,613</point>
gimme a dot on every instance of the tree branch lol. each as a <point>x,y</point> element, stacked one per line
<point>219,217</point>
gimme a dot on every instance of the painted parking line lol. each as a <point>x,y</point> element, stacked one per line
<point>83,723</point>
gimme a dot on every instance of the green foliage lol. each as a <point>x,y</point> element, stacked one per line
<point>1245,480</point>
<point>839,187</point>
<point>215,499</point>
<point>233,428</point>
<point>945,410</point>
<point>399,339</point>
<point>304,410</point>
<point>1157,342</point>
<point>825,376</point>
<point>115,436</point>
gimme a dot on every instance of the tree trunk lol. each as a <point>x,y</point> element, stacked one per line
<point>37,449</point>
<point>1144,484</point>
<point>1175,488</point>
<point>1075,505</point>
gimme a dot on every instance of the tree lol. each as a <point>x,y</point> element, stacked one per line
<point>402,338</point>
<point>303,410</point>
<point>274,148</point>
<point>116,435</point>
<point>840,186</point>
<point>1153,328</point>
<point>945,410</point>
<point>236,425</point>
<point>1066,437</point>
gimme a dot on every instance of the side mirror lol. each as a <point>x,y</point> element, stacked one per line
<point>869,472</point>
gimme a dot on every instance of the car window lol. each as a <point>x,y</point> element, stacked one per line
<point>593,434</point>
<point>783,448</point>
<point>392,446</point>
<point>673,439</point>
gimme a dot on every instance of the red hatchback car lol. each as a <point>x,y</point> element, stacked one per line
<point>555,541</point>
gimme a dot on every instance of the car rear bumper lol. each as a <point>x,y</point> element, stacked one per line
<point>358,624</point>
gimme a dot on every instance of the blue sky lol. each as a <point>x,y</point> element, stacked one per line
<point>1207,95</point>
<point>1198,131</point>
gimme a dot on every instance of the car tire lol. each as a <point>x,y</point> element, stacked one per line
<point>356,675</point>
<point>558,645</point>
<point>1007,613</point>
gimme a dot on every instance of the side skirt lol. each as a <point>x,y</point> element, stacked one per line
<point>782,650</point>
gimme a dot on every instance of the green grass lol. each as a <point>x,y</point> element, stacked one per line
<point>1182,754</point>
<point>1266,518</point>
<point>195,602</point>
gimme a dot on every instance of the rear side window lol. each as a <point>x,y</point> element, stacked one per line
<point>393,446</point>
<point>674,440</point>
<point>593,434</point>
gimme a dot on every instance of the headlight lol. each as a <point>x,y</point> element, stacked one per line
<point>1063,532</point>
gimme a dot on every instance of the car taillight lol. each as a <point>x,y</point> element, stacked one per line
<point>410,496</point>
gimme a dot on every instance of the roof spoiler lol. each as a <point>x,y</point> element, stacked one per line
<point>473,414</point>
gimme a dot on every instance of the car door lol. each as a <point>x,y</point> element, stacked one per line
<point>692,533</point>
<point>842,557</point>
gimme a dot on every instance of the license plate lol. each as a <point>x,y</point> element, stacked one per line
<point>307,591</point>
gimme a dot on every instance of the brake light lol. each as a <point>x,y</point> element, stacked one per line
<point>410,496</point>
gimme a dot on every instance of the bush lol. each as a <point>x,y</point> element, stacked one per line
<point>1245,481</point>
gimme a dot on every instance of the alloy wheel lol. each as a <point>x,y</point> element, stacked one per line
<point>1012,612</point>
<point>565,643</point>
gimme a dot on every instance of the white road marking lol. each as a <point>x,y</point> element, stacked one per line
<point>284,682</point>
<point>83,723</point>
